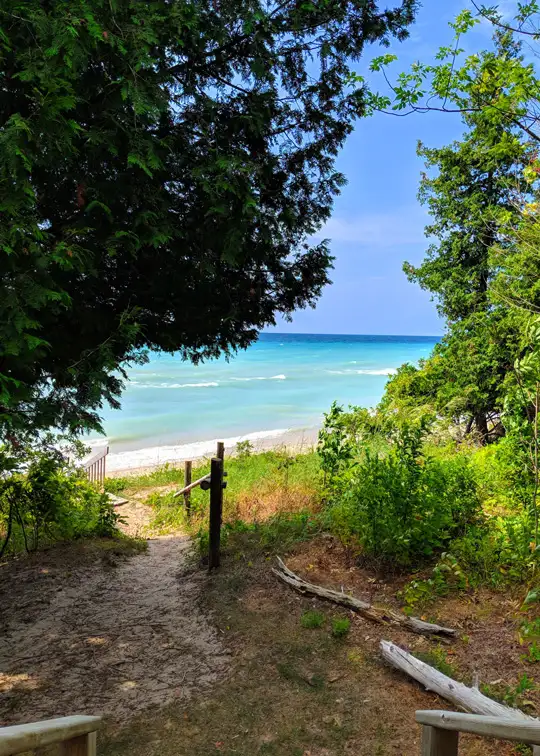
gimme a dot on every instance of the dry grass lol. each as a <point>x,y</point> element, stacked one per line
<point>266,500</point>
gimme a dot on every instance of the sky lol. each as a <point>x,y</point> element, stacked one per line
<point>377,221</point>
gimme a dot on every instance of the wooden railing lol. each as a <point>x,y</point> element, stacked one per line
<point>215,483</point>
<point>440,731</point>
<point>95,466</point>
<point>76,734</point>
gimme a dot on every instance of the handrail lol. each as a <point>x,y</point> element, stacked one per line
<point>96,457</point>
<point>95,466</point>
<point>441,729</point>
<point>73,731</point>
<point>191,486</point>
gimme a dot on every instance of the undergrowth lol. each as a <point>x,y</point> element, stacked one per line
<point>272,499</point>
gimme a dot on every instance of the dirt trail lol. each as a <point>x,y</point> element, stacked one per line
<point>111,637</point>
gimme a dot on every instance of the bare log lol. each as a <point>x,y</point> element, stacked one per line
<point>459,694</point>
<point>382,616</point>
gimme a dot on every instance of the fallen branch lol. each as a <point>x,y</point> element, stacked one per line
<point>382,616</point>
<point>459,694</point>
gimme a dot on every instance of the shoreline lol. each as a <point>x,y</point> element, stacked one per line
<point>149,459</point>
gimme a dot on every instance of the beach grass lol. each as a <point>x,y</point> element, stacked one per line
<point>272,497</point>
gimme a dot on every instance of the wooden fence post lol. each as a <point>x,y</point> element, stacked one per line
<point>216,507</point>
<point>220,450</point>
<point>187,481</point>
<point>84,745</point>
<point>437,742</point>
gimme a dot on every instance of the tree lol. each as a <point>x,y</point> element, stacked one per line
<point>163,166</point>
<point>473,189</point>
<point>454,82</point>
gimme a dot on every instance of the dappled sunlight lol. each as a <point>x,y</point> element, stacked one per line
<point>16,682</point>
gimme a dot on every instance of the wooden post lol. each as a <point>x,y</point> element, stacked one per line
<point>220,450</point>
<point>436,742</point>
<point>216,507</point>
<point>187,481</point>
<point>84,745</point>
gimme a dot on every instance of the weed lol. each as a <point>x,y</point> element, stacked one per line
<point>529,633</point>
<point>116,485</point>
<point>244,449</point>
<point>312,619</point>
<point>437,658</point>
<point>340,627</point>
<point>533,654</point>
<point>406,506</point>
<point>511,695</point>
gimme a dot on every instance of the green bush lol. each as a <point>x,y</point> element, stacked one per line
<point>498,552</point>
<point>44,499</point>
<point>312,619</point>
<point>406,506</point>
<point>340,627</point>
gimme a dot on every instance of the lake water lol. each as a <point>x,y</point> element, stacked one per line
<point>283,382</point>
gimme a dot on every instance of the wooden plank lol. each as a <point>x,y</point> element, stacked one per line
<point>216,508</point>
<point>84,745</point>
<point>28,737</point>
<point>501,728</point>
<point>187,481</point>
<point>437,742</point>
<point>95,458</point>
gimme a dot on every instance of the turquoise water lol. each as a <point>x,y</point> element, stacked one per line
<point>284,381</point>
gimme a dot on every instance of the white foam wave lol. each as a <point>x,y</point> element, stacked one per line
<point>262,378</point>
<point>174,385</point>
<point>159,455</point>
<point>382,371</point>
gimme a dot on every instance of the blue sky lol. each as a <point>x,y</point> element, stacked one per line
<point>377,222</point>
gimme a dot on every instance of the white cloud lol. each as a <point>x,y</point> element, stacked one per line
<point>402,226</point>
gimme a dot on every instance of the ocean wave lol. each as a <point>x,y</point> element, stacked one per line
<point>350,371</point>
<point>383,371</point>
<point>159,455</point>
<point>174,385</point>
<point>262,378</point>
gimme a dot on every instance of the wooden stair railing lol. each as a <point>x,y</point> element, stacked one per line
<point>95,466</point>
<point>77,736</point>
<point>440,731</point>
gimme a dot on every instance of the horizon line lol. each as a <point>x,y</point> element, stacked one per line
<point>371,335</point>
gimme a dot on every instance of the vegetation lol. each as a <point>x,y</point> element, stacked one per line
<point>273,499</point>
<point>44,499</point>
<point>312,619</point>
<point>163,167</point>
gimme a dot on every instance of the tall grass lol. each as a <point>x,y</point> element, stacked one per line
<point>261,487</point>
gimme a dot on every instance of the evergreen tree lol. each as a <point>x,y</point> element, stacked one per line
<point>470,187</point>
<point>163,166</point>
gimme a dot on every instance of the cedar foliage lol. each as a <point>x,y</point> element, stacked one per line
<point>163,166</point>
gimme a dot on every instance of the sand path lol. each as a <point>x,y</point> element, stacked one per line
<point>112,636</point>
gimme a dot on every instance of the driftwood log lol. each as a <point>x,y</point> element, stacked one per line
<point>459,694</point>
<point>375,614</point>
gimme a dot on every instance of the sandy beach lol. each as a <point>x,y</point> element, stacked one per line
<point>139,461</point>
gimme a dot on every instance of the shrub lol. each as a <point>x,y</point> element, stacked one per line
<point>340,627</point>
<point>406,506</point>
<point>312,619</point>
<point>498,552</point>
<point>44,498</point>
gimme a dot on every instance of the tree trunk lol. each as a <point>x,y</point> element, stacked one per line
<point>481,423</point>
